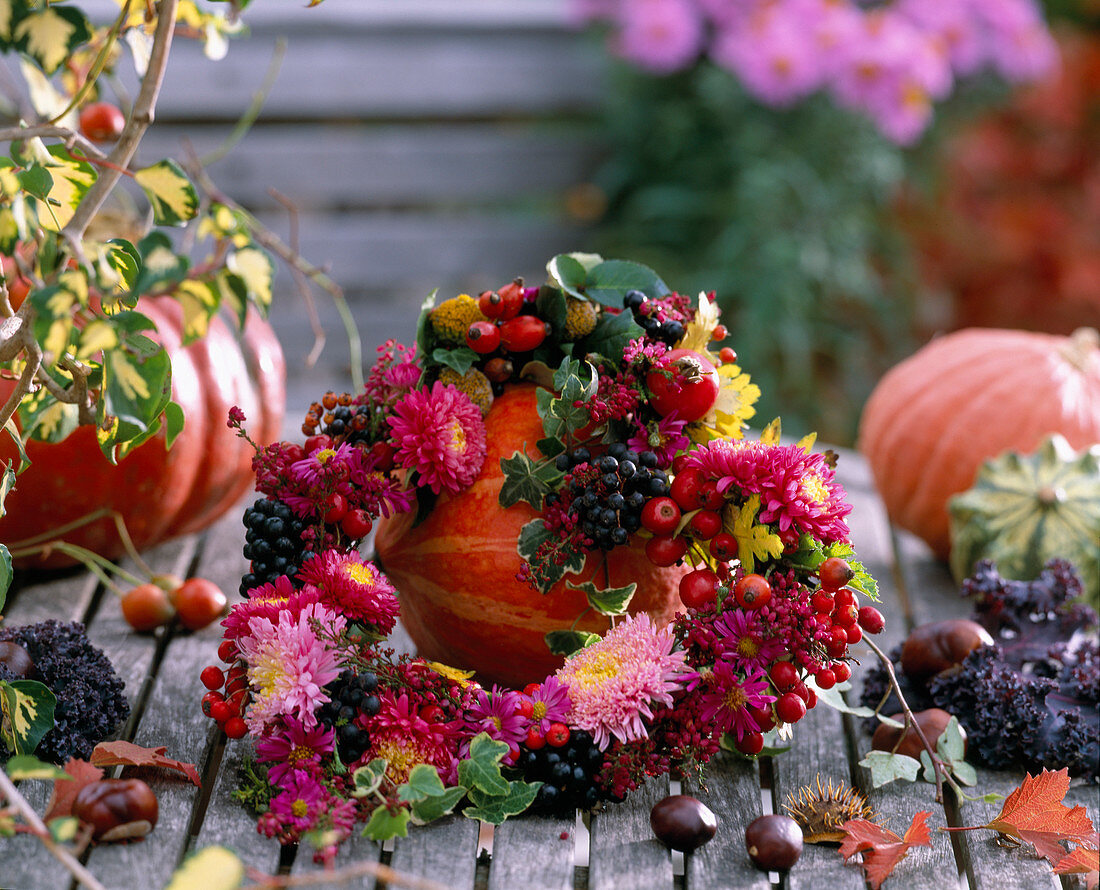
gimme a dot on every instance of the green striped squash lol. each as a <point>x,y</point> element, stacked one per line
<point>1026,509</point>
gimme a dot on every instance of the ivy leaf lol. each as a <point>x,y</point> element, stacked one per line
<point>71,179</point>
<point>123,753</point>
<point>432,808</point>
<point>481,770</point>
<point>161,267</point>
<point>608,282</point>
<point>566,642</point>
<point>460,359</point>
<point>608,600</point>
<point>384,824</point>
<point>200,300</point>
<point>50,34</point>
<point>78,774</point>
<point>211,868</point>
<point>27,708</point>
<point>882,849</point>
<point>368,778</point>
<point>53,320</point>
<point>494,809</point>
<point>123,261</point>
<point>886,767</point>
<point>550,572</point>
<point>423,782</point>
<point>526,479</point>
<point>171,193</point>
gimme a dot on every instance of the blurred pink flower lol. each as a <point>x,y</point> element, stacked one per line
<point>659,35</point>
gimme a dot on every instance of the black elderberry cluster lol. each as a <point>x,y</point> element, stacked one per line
<point>90,704</point>
<point>568,774</point>
<point>273,543</point>
<point>350,695</point>
<point>608,492</point>
<point>669,331</point>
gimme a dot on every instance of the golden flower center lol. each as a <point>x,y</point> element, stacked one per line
<point>458,437</point>
<point>747,647</point>
<point>400,758</point>
<point>325,455</point>
<point>359,572</point>
<point>299,752</point>
<point>540,710</point>
<point>814,488</point>
<point>300,808</point>
<point>735,699</point>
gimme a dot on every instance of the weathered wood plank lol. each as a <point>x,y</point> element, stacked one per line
<point>356,849</point>
<point>532,852</point>
<point>1087,796</point>
<point>624,852</point>
<point>444,851</point>
<point>733,794</point>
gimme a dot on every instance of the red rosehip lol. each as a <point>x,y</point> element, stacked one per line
<point>836,644</point>
<point>208,701</point>
<point>705,524</point>
<point>752,591</point>
<point>784,675</point>
<point>751,743</point>
<point>845,616</point>
<point>811,699</point>
<point>825,679</point>
<point>227,651</point>
<point>335,506</point>
<point>790,708</point>
<point>557,735</point>
<point>523,333</point>
<point>698,588</point>
<point>834,573</point>
<point>822,602</point>
<point>525,708</point>
<point>665,550</point>
<point>220,712</point>
<point>763,717</point>
<point>357,524</point>
<point>727,355</point>
<point>723,546</point>
<point>687,489</point>
<point>236,728</point>
<point>844,597</point>
<point>212,677</point>
<point>661,515</point>
<point>102,122</point>
<point>854,634</point>
<point>871,620</point>
<point>842,671</point>
<point>535,739</point>
<point>483,337</point>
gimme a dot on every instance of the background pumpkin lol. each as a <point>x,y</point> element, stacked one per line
<point>455,572</point>
<point>966,397</point>
<point>160,493</point>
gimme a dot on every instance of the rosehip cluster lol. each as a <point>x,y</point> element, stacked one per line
<point>507,330</point>
<point>228,696</point>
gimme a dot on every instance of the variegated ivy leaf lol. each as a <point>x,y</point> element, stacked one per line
<point>53,320</point>
<point>50,33</point>
<point>608,600</point>
<point>548,570</point>
<point>118,266</point>
<point>200,300</point>
<point>526,480</point>
<point>44,418</point>
<point>26,714</point>
<point>233,294</point>
<point>481,769</point>
<point>494,809</point>
<point>384,824</point>
<point>368,778</point>
<point>171,193</point>
<point>136,388</point>
<point>71,180</point>
<point>566,642</point>
<point>161,267</point>
<point>47,101</point>
<point>886,767</point>
<point>257,271</point>
<point>27,766</point>
<point>5,556</point>
<point>13,433</point>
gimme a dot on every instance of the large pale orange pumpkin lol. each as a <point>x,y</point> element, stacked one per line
<point>159,492</point>
<point>966,397</point>
<point>456,571</point>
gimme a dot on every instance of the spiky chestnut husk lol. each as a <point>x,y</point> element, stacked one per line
<point>452,318</point>
<point>821,811</point>
<point>475,384</point>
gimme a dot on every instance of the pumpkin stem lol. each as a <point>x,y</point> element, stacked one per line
<point>1049,495</point>
<point>1078,349</point>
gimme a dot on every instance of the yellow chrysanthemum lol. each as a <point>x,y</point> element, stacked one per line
<point>475,384</point>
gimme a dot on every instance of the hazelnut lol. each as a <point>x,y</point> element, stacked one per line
<point>774,842</point>
<point>682,822</point>
<point>940,645</point>
<point>17,660</point>
<point>932,722</point>
<point>117,809</point>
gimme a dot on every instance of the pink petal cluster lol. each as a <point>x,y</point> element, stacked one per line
<point>353,588</point>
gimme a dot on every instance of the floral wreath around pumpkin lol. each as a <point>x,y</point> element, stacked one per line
<point>644,420</point>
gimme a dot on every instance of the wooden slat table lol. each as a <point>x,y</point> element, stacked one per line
<point>611,850</point>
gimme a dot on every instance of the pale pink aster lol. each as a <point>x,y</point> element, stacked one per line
<point>551,704</point>
<point>266,601</point>
<point>301,803</point>
<point>403,738</point>
<point>288,665</point>
<point>726,698</point>
<point>743,641</point>
<point>615,683</point>
<point>354,588</point>
<point>954,28</point>
<point>1020,45</point>
<point>495,713</point>
<point>659,35</point>
<point>293,747</point>
<point>439,433</point>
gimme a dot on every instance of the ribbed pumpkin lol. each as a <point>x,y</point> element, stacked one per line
<point>966,397</point>
<point>1027,509</point>
<point>456,572</point>
<point>160,493</point>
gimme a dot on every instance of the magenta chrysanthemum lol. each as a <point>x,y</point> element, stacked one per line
<point>617,681</point>
<point>403,738</point>
<point>742,641</point>
<point>355,589</point>
<point>294,748</point>
<point>302,802</point>
<point>551,704</point>
<point>267,601</point>
<point>439,433</point>
<point>496,714</point>
<point>803,492</point>
<point>724,701</point>
<point>324,463</point>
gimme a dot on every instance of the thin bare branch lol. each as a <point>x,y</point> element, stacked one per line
<point>70,138</point>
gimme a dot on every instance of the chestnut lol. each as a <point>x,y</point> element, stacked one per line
<point>682,822</point>
<point>17,660</point>
<point>939,645</point>
<point>932,722</point>
<point>117,809</point>
<point>774,842</point>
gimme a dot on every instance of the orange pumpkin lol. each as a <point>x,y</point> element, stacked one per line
<point>456,571</point>
<point>160,493</point>
<point>968,396</point>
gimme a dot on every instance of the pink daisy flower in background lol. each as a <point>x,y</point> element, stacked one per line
<point>301,803</point>
<point>660,35</point>
<point>393,374</point>
<point>617,681</point>
<point>403,738</point>
<point>288,664</point>
<point>268,601</point>
<point>742,640</point>
<point>294,747</point>
<point>324,464</point>
<point>496,713</point>
<point>725,700</point>
<point>551,704</point>
<point>439,433</point>
<point>352,587</point>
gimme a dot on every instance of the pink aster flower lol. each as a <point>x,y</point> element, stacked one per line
<point>292,748</point>
<point>725,701</point>
<point>355,589</point>
<point>616,682</point>
<point>288,665</point>
<point>439,433</point>
<point>664,437</point>
<point>660,35</point>
<point>267,601</point>
<point>802,491</point>
<point>301,803</point>
<point>496,713</point>
<point>324,463</point>
<point>551,704</point>
<point>742,640</point>
<point>400,735</point>
<point>395,372</point>
<point>736,464</point>
<point>379,493</point>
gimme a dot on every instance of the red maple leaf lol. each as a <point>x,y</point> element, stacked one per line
<point>66,790</point>
<point>881,848</point>
<point>128,754</point>
<point>1083,860</point>
<point>1035,813</point>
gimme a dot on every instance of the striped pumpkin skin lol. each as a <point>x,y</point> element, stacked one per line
<point>1027,509</point>
<point>966,397</point>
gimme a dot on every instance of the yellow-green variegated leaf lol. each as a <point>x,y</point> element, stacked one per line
<point>8,19</point>
<point>49,34</point>
<point>53,320</point>
<point>71,181</point>
<point>170,192</point>
<point>257,271</point>
<point>1026,509</point>
<point>27,707</point>
<point>200,300</point>
<point>211,868</point>
<point>98,335</point>
<point>46,419</point>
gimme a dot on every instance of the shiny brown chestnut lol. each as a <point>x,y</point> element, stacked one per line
<point>932,722</point>
<point>117,809</point>
<point>940,645</point>
<point>16,659</point>
<point>774,842</point>
<point>682,822</point>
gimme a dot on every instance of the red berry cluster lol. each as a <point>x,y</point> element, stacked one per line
<point>228,695</point>
<point>506,330</point>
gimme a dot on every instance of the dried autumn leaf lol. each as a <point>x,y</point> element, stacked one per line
<point>882,849</point>
<point>122,753</point>
<point>66,790</point>
<point>1035,813</point>
<point>1083,860</point>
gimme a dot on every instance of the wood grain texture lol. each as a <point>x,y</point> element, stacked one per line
<point>624,852</point>
<point>732,792</point>
<point>530,852</point>
<point>355,850</point>
<point>444,851</point>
